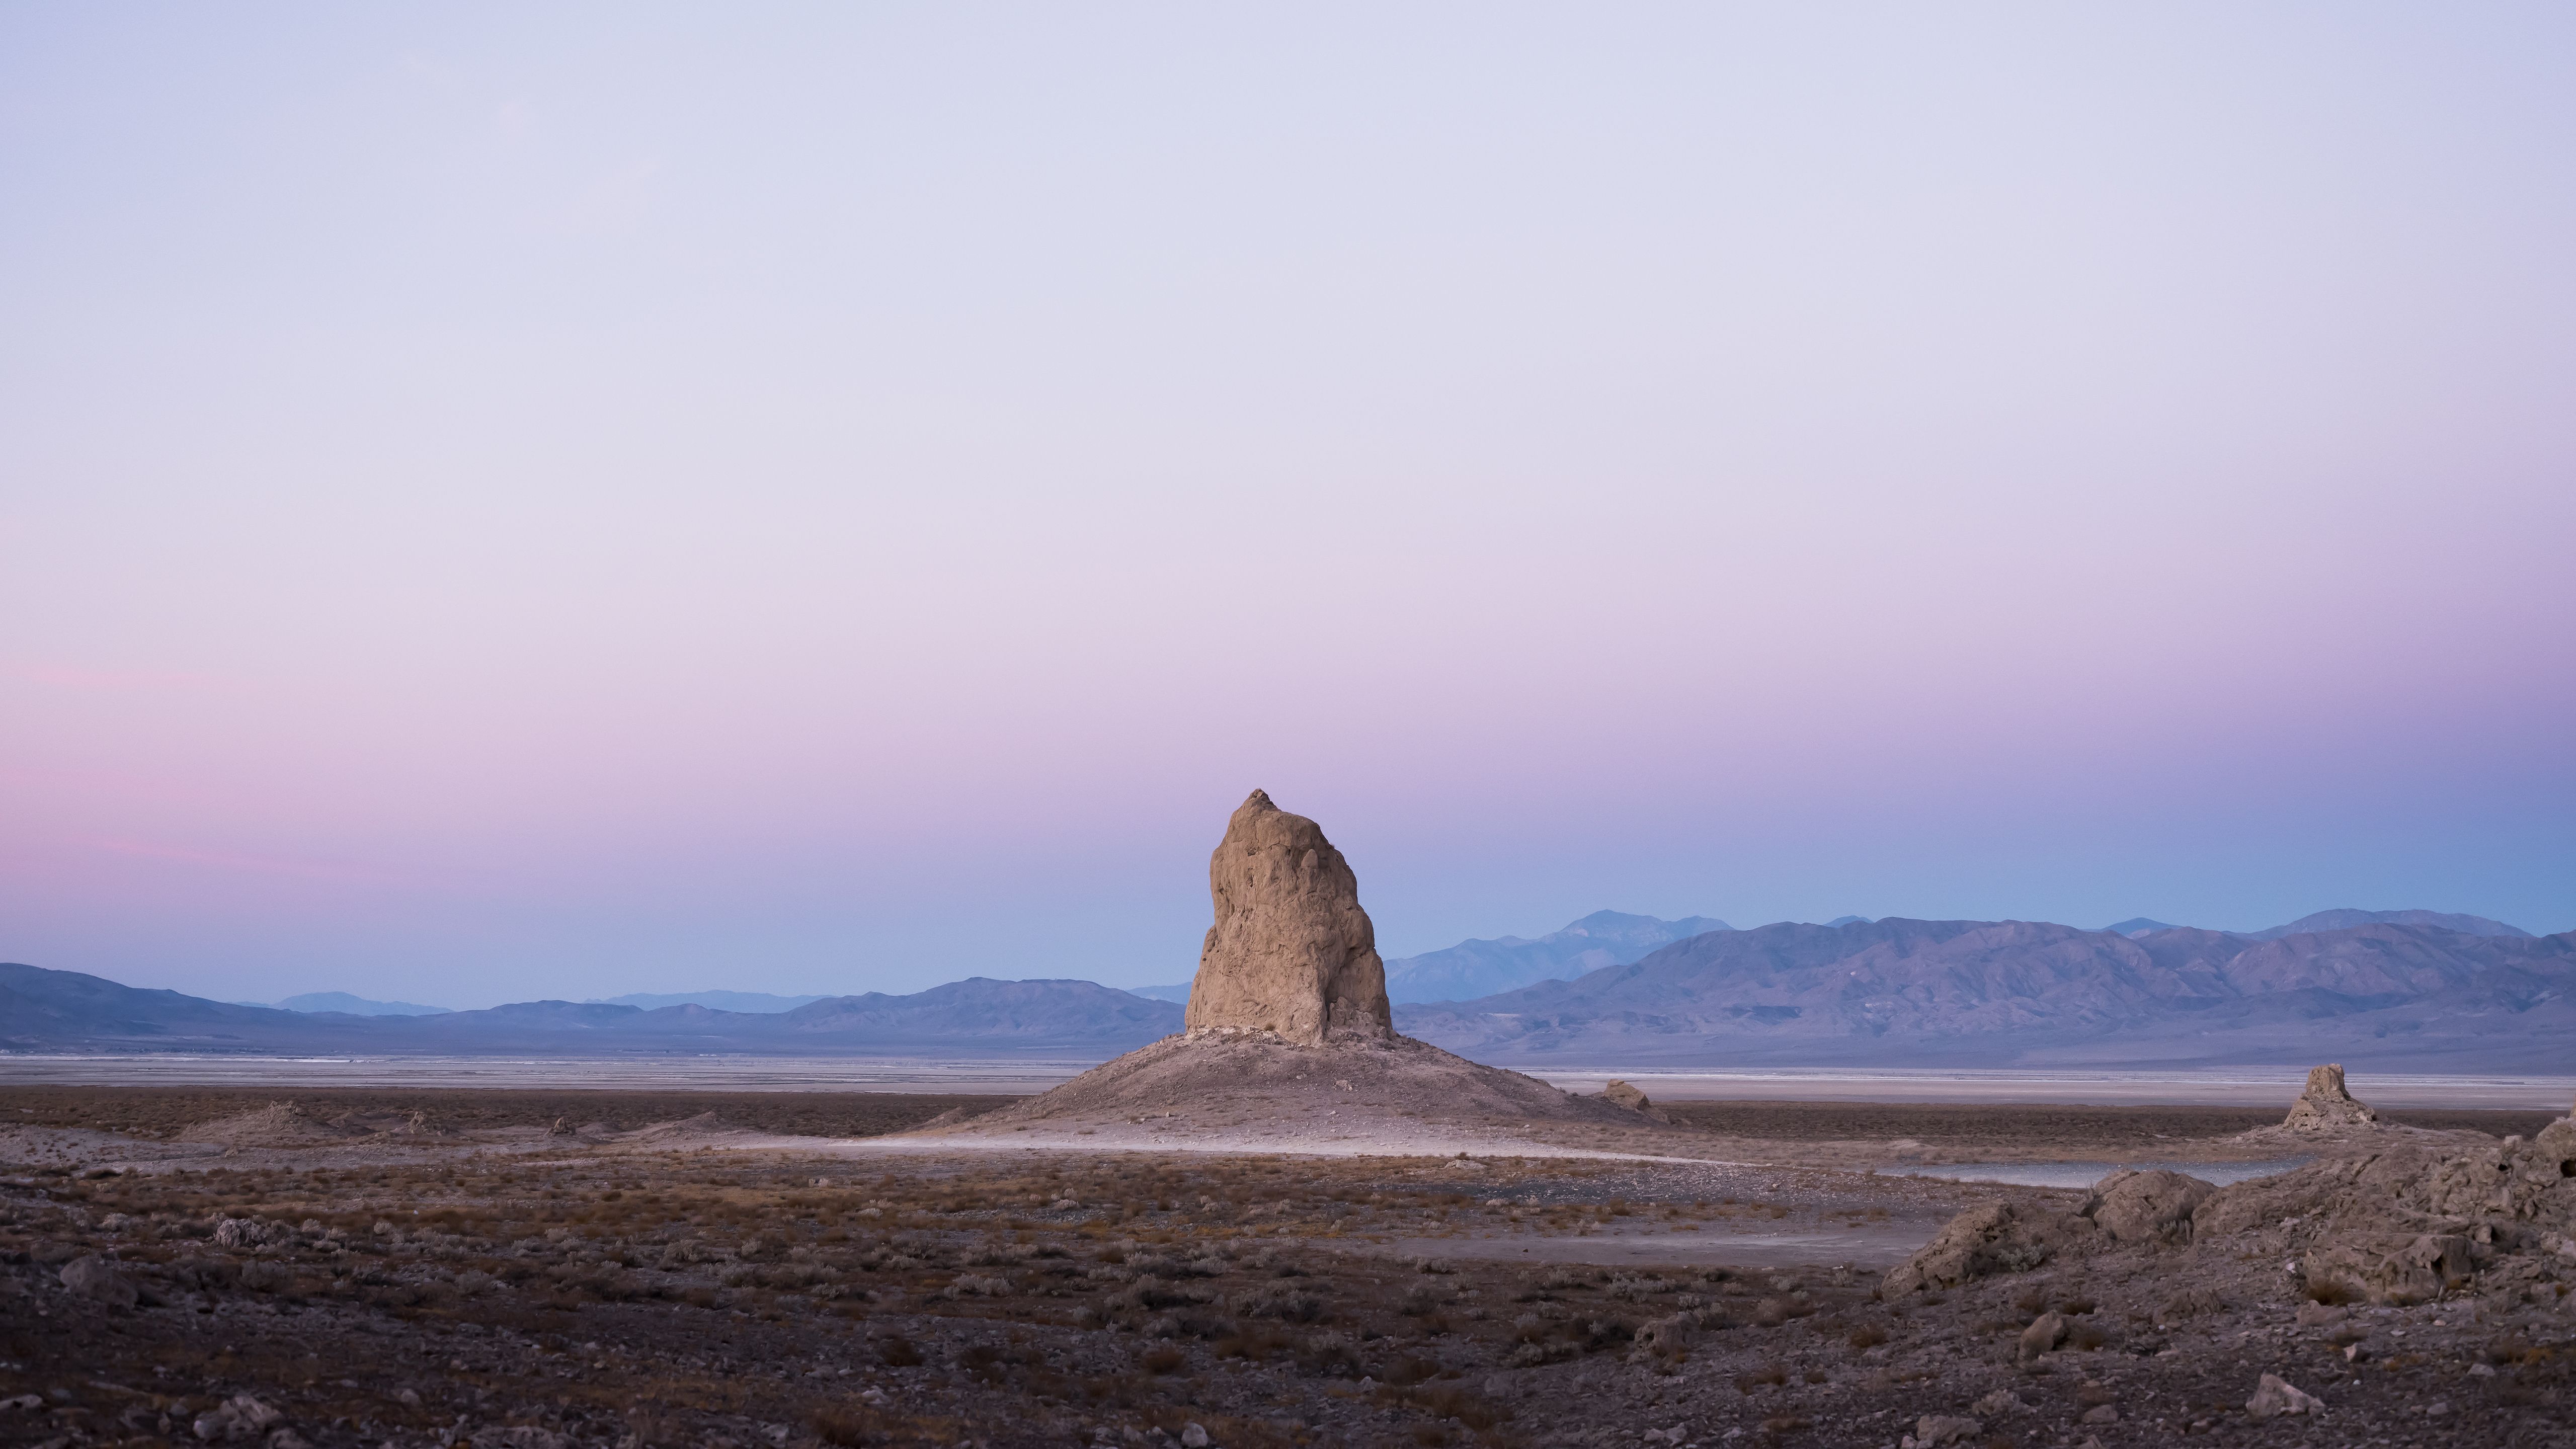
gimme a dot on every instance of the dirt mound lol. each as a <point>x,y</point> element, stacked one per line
<point>280,1124</point>
<point>1213,1082</point>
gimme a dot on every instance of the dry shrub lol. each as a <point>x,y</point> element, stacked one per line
<point>1162,1360</point>
<point>1867,1336</point>
<point>1754,1378</point>
<point>845,1428</point>
<point>2331,1291</point>
<point>896,1351</point>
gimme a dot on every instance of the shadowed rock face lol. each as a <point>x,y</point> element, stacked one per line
<point>1291,951</point>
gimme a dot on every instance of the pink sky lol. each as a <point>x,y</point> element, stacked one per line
<point>495,507</point>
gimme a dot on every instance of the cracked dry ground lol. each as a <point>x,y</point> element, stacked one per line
<point>584,1296</point>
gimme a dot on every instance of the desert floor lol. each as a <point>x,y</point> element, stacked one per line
<point>416,1267</point>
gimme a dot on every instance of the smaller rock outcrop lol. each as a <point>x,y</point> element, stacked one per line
<point>1625,1095</point>
<point>1995,1237</point>
<point>91,1277</point>
<point>2147,1207</point>
<point>2327,1104</point>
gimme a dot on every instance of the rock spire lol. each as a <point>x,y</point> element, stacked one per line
<point>1291,951</point>
<point>2327,1103</point>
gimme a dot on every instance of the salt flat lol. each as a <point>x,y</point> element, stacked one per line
<point>2215,1086</point>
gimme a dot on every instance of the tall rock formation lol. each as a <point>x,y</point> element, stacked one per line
<point>1291,951</point>
<point>2327,1103</point>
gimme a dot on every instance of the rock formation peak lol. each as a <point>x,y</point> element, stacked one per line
<point>2326,1102</point>
<point>1291,952</point>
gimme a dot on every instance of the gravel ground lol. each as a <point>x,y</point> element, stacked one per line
<point>512,1284</point>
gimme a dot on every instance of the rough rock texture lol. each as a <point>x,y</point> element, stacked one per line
<point>2326,1103</point>
<point>1291,951</point>
<point>2147,1207</point>
<point>1996,1237</point>
<point>2274,1396</point>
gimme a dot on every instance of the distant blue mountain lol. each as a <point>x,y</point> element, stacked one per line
<point>756,1002</point>
<point>346,1004</point>
<point>1179,992</point>
<point>2139,926</point>
<point>1480,968</point>
<point>1839,922</point>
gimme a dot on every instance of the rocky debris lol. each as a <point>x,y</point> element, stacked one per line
<point>236,1418</point>
<point>1194,1435</point>
<point>2327,1104</point>
<point>2000,1402</point>
<point>91,1277</point>
<point>1995,1237</point>
<point>2274,1396</point>
<point>1291,952</point>
<point>2147,1207</point>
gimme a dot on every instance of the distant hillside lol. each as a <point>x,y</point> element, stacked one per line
<point>2346,919</point>
<point>1480,968</point>
<point>346,1004</point>
<point>2020,992</point>
<point>743,1001</point>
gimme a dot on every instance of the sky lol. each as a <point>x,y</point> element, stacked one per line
<point>505,501</point>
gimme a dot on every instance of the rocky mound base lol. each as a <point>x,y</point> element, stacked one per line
<point>1256,1086</point>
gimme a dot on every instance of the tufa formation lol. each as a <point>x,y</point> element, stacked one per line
<point>1291,952</point>
<point>2327,1104</point>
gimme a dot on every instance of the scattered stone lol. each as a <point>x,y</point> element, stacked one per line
<point>1194,1436</point>
<point>91,1277</point>
<point>2101,1414</point>
<point>1291,952</point>
<point>2272,1396</point>
<point>2327,1104</point>
<point>1933,1430</point>
<point>239,1417</point>
<point>2001,1401</point>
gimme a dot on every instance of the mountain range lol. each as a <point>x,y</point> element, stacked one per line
<point>42,1010</point>
<point>2376,987</point>
<point>1997,993</point>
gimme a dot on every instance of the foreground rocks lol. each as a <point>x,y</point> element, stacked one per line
<point>608,1295</point>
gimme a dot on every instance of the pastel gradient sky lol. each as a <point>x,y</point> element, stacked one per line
<point>505,501</point>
